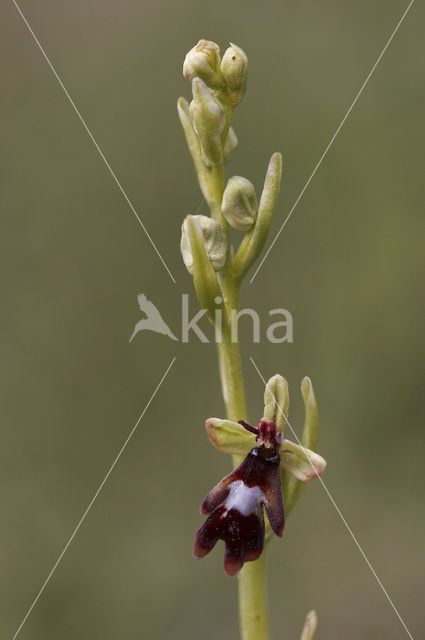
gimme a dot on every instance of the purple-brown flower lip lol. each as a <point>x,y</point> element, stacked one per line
<point>235,509</point>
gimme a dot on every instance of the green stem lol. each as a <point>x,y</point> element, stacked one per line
<point>251,582</point>
<point>231,378</point>
<point>215,183</point>
<point>253,615</point>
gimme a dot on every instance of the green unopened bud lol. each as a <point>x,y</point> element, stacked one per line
<point>239,205</point>
<point>230,144</point>
<point>276,401</point>
<point>209,120</point>
<point>310,626</point>
<point>215,243</point>
<point>234,67</point>
<point>229,437</point>
<point>203,61</point>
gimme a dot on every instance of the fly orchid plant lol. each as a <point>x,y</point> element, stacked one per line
<point>270,471</point>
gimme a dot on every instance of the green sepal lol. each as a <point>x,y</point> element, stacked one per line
<point>302,463</point>
<point>229,437</point>
<point>276,401</point>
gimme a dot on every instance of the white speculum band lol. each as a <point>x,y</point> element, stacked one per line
<point>244,499</point>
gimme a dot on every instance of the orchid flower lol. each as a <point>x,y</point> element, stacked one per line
<point>235,506</point>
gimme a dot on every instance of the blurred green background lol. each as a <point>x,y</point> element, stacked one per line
<point>349,267</point>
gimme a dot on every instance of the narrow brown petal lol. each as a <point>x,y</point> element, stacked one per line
<point>217,495</point>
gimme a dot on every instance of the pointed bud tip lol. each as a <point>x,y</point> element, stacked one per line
<point>310,403</point>
<point>276,161</point>
<point>198,84</point>
<point>276,379</point>
<point>306,383</point>
<point>182,103</point>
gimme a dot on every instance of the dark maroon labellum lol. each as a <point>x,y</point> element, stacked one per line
<point>235,509</point>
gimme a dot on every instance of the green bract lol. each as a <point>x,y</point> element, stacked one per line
<point>213,238</point>
<point>254,241</point>
<point>209,121</point>
<point>230,144</point>
<point>203,247</point>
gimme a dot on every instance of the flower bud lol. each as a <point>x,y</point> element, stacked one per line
<point>230,144</point>
<point>215,242</point>
<point>203,61</point>
<point>209,120</point>
<point>239,205</point>
<point>234,67</point>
